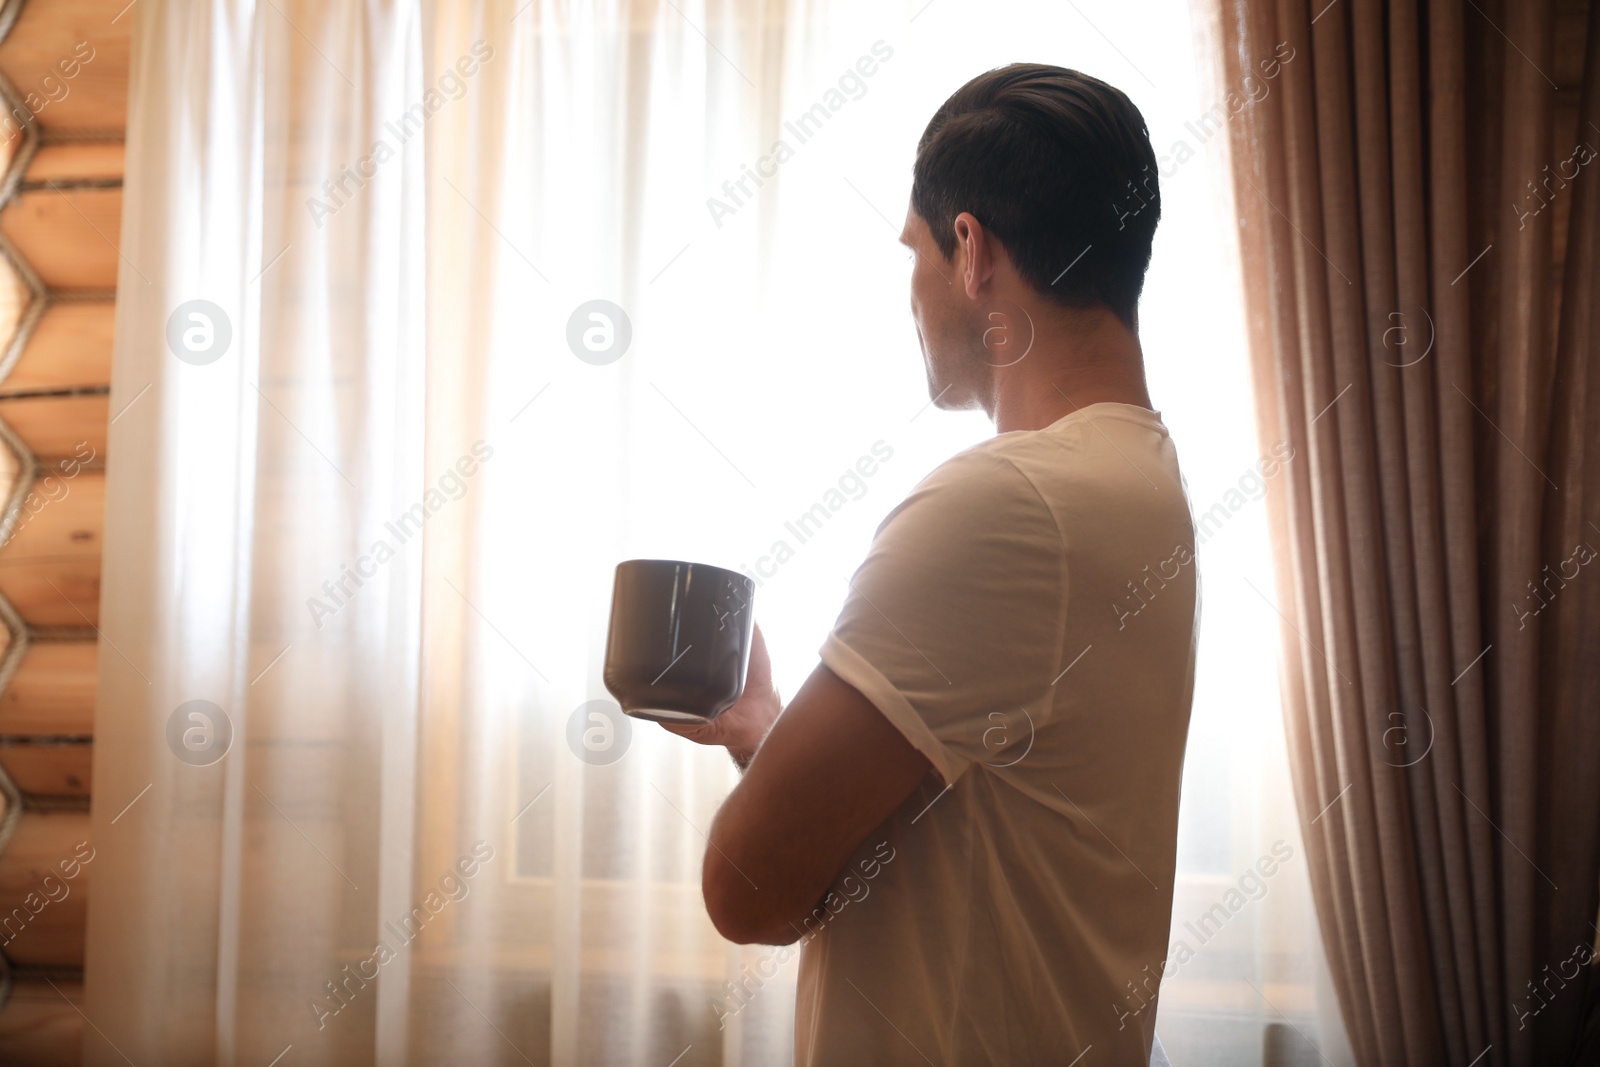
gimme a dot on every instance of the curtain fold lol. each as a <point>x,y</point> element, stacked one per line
<point>1418,223</point>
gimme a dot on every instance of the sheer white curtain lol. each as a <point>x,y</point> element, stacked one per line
<point>365,509</point>
<point>373,527</point>
<point>269,384</point>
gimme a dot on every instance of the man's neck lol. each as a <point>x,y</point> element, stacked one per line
<point>1077,360</point>
<point>1044,403</point>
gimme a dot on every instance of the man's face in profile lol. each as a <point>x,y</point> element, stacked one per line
<point>940,318</point>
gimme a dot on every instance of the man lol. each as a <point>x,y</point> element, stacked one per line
<point>968,813</point>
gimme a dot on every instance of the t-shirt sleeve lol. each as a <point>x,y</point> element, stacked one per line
<point>952,625</point>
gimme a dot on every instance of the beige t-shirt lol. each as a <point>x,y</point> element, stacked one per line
<point>1027,618</point>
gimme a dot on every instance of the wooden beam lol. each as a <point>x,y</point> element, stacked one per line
<point>67,98</point>
<point>48,768</point>
<point>44,889</point>
<point>50,570</point>
<point>68,236</point>
<point>60,426</point>
<point>55,592</point>
<point>52,693</point>
<point>70,348</point>
<point>41,1025</point>
<point>76,161</point>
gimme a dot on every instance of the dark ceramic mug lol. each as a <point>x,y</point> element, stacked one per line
<point>679,644</point>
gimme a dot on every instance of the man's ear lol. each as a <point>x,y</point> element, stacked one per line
<point>977,261</point>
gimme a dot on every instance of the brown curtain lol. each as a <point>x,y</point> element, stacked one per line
<point>1418,198</point>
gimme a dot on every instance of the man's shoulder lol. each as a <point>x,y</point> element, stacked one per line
<point>985,477</point>
<point>1002,461</point>
<point>976,501</point>
<point>1027,465</point>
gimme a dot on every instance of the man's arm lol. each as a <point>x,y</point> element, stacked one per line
<point>831,770</point>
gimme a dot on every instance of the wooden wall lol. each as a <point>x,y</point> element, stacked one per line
<point>64,65</point>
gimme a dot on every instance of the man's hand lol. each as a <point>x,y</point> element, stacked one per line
<point>743,727</point>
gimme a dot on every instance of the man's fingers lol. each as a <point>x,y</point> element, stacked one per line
<point>702,734</point>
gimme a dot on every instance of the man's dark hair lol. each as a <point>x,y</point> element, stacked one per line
<point>1059,167</point>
